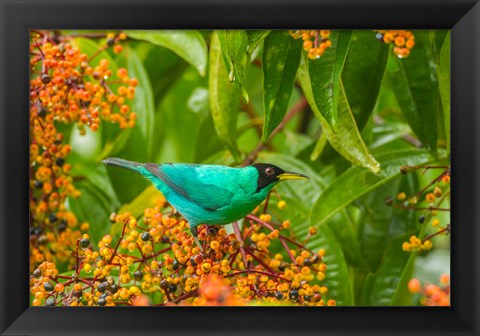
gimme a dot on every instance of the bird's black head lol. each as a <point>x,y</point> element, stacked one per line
<point>269,174</point>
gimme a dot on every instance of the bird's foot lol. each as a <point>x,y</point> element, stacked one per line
<point>199,244</point>
<point>195,237</point>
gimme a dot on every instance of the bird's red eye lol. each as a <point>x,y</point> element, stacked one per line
<point>269,171</point>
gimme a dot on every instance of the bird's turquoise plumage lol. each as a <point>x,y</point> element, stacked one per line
<point>209,194</point>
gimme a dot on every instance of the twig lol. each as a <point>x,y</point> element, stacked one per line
<point>446,229</point>
<point>299,106</point>
<point>236,229</point>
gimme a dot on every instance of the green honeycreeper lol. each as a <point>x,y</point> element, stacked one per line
<point>210,194</point>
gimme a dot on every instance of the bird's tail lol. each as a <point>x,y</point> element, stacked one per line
<point>131,165</point>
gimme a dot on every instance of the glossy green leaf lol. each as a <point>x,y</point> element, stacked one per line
<point>363,72</point>
<point>356,182</point>
<point>255,38</point>
<point>444,86</point>
<point>223,98</point>
<point>325,75</point>
<point>415,84</point>
<point>234,45</point>
<point>383,287</point>
<point>188,44</point>
<point>379,223</point>
<point>281,57</point>
<point>347,140</point>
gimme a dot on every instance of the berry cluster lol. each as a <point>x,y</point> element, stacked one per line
<point>432,295</point>
<point>403,40</point>
<point>315,42</point>
<point>156,256</point>
<point>65,88</point>
<point>432,196</point>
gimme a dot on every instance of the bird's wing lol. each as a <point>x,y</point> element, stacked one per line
<point>184,180</point>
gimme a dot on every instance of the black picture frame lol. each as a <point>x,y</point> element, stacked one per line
<point>18,16</point>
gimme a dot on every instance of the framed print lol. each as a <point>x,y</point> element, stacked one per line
<point>239,168</point>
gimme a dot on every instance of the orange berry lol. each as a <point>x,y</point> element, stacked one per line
<point>445,279</point>
<point>117,49</point>
<point>446,179</point>
<point>324,34</point>
<point>122,72</point>
<point>399,41</point>
<point>414,285</point>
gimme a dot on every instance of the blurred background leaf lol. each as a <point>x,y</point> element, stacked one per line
<point>188,44</point>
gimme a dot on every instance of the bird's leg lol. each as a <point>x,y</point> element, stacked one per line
<point>194,231</point>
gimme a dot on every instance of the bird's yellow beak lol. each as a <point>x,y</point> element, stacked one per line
<point>292,176</point>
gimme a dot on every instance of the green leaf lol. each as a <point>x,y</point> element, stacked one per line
<point>356,182</point>
<point>207,142</point>
<point>143,103</point>
<point>344,229</point>
<point>363,72</point>
<point>443,71</point>
<point>223,98</point>
<point>188,44</point>
<point>383,287</point>
<point>415,84</point>
<point>161,74</point>
<point>325,75</point>
<point>281,57</point>
<point>255,37</point>
<point>94,173</point>
<point>379,223</point>
<point>347,140</point>
<point>319,147</point>
<point>234,45</point>
<point>94,207</point>
<point>111,148</point>
<point>180,112</point>
<point>437,42</point>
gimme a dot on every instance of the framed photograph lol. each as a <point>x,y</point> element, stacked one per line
<point>239,168</point>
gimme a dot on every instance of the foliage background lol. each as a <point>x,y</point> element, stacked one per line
<point>354,117</point>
